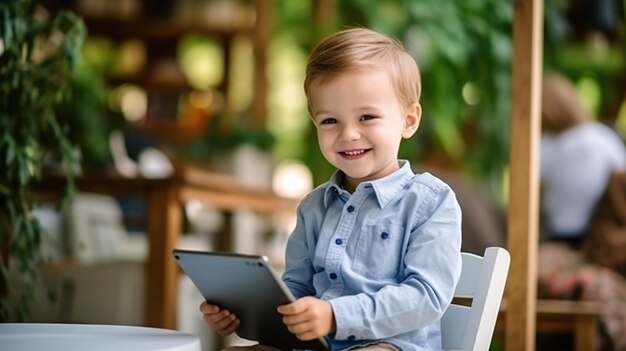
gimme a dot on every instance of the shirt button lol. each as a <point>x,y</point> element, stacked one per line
<point>338,241</point>
<point>384,235</point>
<point>333,276</point>
<point>350,208</point>
<point>351,337</point>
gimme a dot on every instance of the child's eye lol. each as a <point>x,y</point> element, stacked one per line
<point>328,121</point>
<point>366,117</point>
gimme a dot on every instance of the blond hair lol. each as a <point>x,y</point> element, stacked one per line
<point>561,108</point>
<point>361,49</point>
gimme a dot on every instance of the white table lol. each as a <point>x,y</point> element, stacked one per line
<point>92,337</point>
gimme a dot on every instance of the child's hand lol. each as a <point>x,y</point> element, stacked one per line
<point>308,317</point>
<point>222,321</point>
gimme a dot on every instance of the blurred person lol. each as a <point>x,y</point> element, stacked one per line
<point>578,155</point>
<point>578,158</point>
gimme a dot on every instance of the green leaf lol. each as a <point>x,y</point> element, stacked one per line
<point>75,32</point>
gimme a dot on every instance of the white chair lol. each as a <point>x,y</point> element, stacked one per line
<point>482,280</point>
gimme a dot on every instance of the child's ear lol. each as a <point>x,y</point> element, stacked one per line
<point>412,120</point>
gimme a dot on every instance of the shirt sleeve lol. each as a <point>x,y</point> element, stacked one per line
<point>298,275</point>
<point>432,267</point>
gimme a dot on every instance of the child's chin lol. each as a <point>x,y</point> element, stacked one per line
<point>359,176</point>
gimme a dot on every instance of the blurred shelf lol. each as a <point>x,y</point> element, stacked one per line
<point>151,85</point>
<point>160,26</point>
<point>171,130</point>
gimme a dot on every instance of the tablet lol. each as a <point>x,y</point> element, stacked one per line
<point>247,286</point>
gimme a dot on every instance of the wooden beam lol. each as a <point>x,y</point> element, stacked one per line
<point>524,169</point>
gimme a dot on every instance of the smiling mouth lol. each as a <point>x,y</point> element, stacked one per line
<point>353,154</point>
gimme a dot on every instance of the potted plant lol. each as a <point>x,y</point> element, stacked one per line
<point>37,55</point>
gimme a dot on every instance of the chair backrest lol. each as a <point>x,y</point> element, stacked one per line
<point>482,280</point>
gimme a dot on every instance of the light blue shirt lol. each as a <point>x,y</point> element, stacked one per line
<point>386,257</point>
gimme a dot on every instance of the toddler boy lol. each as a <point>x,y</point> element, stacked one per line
<point>375,255</point>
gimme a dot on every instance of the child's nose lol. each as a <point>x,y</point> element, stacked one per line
<point>350,133</point>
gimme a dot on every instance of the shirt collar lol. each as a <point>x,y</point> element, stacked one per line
<point>384,188</point>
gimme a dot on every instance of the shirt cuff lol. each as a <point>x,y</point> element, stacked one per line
<point>348,318</point>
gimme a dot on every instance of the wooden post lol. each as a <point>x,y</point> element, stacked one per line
<point>324,13</point>
<point>524,188</point>
<point>261,37</point>
<point>164,223</point>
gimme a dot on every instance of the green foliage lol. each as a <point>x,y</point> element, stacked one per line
<point>85,115</point>
<point>591,55</point>
<point>36,60</point>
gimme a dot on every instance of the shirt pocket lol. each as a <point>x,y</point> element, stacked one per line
<point>378,250</point>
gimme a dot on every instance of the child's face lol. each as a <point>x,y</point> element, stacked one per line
<point>360,123</point>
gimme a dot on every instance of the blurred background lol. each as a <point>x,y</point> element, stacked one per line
<point>217,85</point>
<point>199,78</point>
